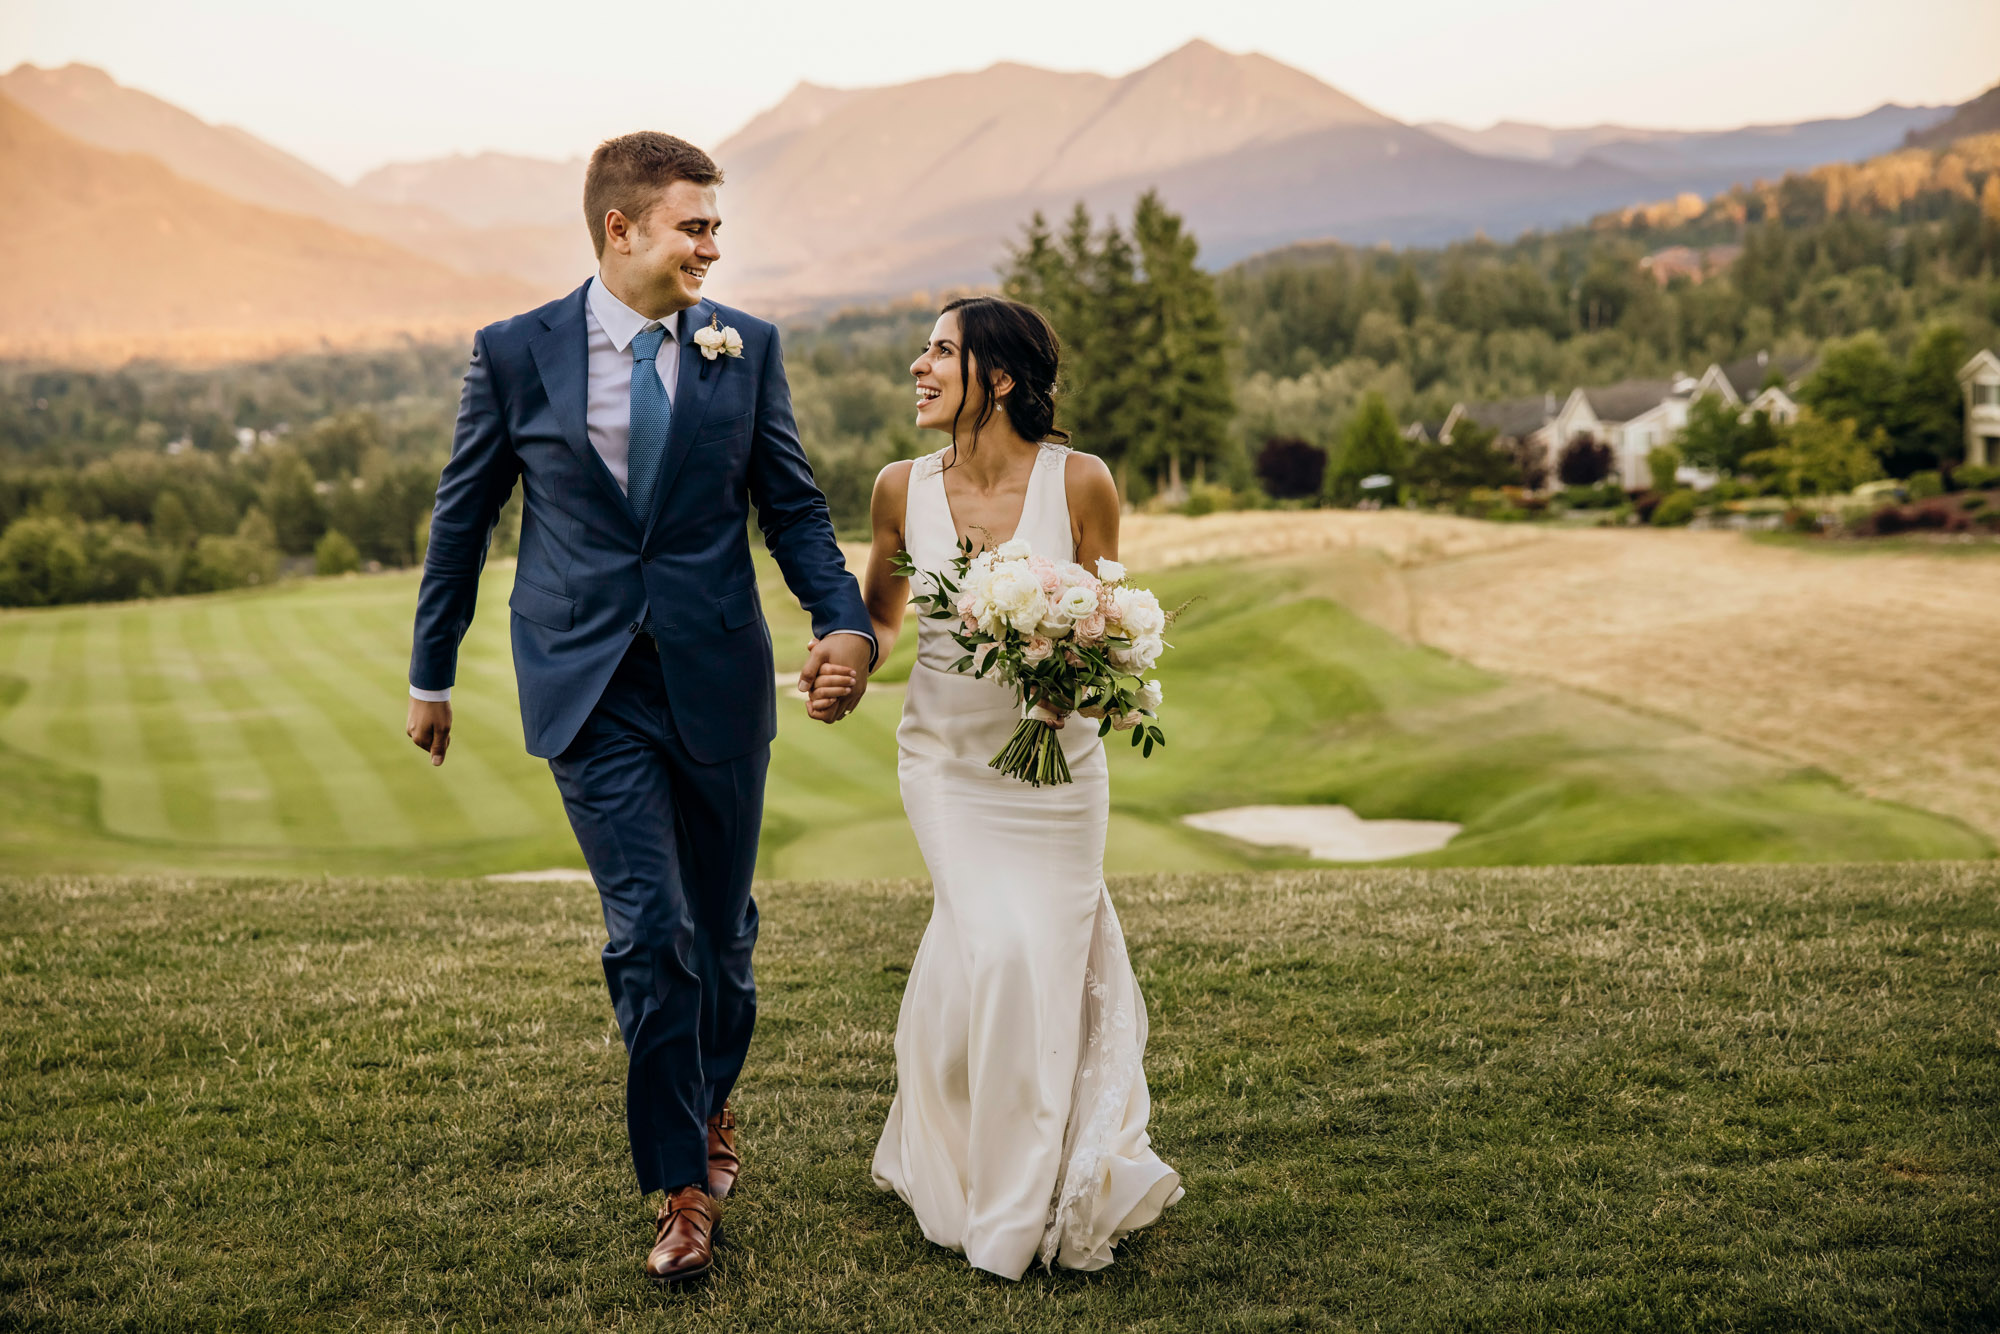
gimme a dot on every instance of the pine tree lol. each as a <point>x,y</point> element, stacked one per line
<point>1184,347</point>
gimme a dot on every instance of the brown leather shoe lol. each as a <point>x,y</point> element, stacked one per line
<point>685,1245</point>
<point>723,1164</point>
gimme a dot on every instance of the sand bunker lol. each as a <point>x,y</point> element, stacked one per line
<point>1326,833</point>
<point>535,877</point>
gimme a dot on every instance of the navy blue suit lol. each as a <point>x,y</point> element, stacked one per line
<point>658,741</point>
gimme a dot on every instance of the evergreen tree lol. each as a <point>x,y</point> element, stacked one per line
<point>1184,345</point>
<point>1929,426</point>
<point>1369,445</point>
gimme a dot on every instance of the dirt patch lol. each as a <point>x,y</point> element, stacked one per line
<point>1326,833</point>
<point>1879,668</point>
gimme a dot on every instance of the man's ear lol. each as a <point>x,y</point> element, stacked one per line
<point>617,232</point>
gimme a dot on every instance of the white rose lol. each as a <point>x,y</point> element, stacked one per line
<point>1076,603</point>
<point>1139,612</point>
<point>732,342</point>
<point>1125,722</point>
<point>1140,655</point>
<point>1110,571</point>
<point>1149,697</point>
<point>1014,549</point>
<point>1018,598</point>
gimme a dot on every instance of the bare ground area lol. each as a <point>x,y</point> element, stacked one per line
<point>1881,668</point>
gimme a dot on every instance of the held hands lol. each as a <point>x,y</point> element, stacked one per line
<point>835,676</point>
<point>429,727</point>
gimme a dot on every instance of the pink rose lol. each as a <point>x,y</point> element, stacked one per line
<point>1044,571</point>
<point>1037,649</point>
<point>1125,722</point>
<point>1072,657</point>
<point>1090,630</point>
<point>983,655</point>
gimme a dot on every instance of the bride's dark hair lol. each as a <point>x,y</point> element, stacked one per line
<point>1010,338</point>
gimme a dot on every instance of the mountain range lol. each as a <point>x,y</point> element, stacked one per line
<point>113,256</point>
<point>843,194</point>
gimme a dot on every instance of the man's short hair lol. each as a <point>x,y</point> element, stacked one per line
<point>628,173</point>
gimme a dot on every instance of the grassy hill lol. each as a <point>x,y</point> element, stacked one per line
<point>1658,1098</point>
<point>262,732</point>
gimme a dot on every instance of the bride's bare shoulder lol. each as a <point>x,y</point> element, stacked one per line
<point>1086,478</point>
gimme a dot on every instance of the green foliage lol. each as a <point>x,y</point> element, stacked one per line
<point>334,554</point>
<point>1675,509</point>
<point>1439,472</point>
<point>1816,457</point>
<point>1924,485</point>
<point>1662,462</point>
<point>42,563</point>
<point>1929,429</point>
<point>1371,444</point>
<point>1146,381</point>
<point>1714,438</point>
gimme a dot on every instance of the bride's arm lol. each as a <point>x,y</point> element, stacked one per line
<point>886,592</point>
<point>1093,509</point>
<point>882,589</point>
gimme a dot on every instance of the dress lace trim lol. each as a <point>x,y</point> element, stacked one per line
<point>1111,1062</point>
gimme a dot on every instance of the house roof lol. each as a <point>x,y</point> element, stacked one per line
<point>1511,416</point>
<point>1746,375</point>
<point>1625,400</point>
<point>1983,363</point>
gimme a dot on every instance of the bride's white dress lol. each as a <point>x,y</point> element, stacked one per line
<point>1019,1124</point>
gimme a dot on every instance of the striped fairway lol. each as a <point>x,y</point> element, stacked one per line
<point>263,731</point>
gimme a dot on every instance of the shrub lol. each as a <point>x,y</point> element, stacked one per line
<point>217,563</point>
<point>1583,462</point>
<point>334,554</point>
<point>1290,468</point>
<point>1924,485</point>
<point>1975,477</point>
<point>1662,462</point>
<point>1207,498</point>
<point>42,562</point>
<point>1676,509</point>
<point>1602,496</point>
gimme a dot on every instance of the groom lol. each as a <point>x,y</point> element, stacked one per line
<point>643,423</point>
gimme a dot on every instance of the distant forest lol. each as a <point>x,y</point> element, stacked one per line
<point>149,480</point>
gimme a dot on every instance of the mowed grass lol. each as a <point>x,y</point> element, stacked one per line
<point>1659,1098</point>
<point>261,732</point>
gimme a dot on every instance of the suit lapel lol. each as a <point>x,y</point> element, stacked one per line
<point>562,355</point>
<point>691,396</point>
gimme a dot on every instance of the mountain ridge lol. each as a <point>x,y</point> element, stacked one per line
<point>184,271</point>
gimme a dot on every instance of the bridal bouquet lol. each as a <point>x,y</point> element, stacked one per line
<point>1067,640</point>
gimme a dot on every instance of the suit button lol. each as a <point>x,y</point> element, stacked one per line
<point>632,629</point>
<point>645,560</point>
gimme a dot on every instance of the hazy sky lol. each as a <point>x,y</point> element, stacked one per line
<point>350,84</point>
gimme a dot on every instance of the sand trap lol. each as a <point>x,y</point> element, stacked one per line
<point>534,877</point>
<point>1327,833</point>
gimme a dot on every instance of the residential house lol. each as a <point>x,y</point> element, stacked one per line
<point>1981,378</point>
<point>1633,417</point>
<point>1762,383</point>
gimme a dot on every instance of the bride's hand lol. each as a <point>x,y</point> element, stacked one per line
<point>830,690</point>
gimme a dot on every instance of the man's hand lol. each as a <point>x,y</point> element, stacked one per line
<point>429,727</point>
<point>835,676</point>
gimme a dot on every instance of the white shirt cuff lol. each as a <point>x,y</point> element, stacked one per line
<point>432,696</point>
<point>874,648</point>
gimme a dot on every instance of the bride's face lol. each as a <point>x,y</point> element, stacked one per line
<point>943,379</point>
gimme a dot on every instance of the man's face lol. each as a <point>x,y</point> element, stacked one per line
<point>664,255</point>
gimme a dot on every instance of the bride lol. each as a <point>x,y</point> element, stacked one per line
<point>1018,1129</point>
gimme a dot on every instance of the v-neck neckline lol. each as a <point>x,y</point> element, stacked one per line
<point>1027,497</point>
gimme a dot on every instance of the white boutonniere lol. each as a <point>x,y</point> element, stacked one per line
<point>716,341</point>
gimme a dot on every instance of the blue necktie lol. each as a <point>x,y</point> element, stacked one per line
<point>651,415</point>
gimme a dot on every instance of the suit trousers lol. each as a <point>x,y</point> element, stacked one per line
<point>672,845</point>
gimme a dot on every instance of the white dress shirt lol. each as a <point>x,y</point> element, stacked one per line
<point>610,326</point>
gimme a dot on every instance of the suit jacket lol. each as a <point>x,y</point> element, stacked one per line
<point>592,572</point>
